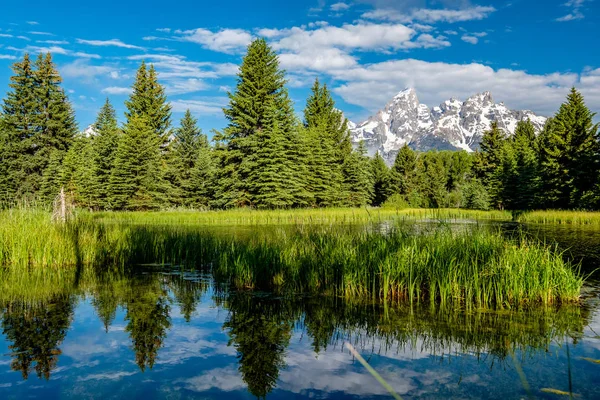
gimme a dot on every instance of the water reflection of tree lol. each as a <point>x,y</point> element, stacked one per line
<point>188,292</point>
<point>147,319</point>
<point>260,330</point>
<point>36,331</point>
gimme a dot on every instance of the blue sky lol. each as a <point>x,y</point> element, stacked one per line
<point>528,54</point>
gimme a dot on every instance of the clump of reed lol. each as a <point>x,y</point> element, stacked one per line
<point>475,268</point>
<point>561,217</point>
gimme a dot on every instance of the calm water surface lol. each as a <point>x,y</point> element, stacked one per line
<point>173,334</point>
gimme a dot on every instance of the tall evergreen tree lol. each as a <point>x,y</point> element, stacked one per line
<point>18,129</point>
<point>148,99</point>
<point>133,181</point>
<point>330,146</point>
<point>357,178</point>
<point>520,180</point>
<point>55,117</point>
<point>184,152</point>
<point>260,90</point>
<point>403,172</point>
<point>488,162</point>
<point>38,123</point>
<point>381,180</point>
<point>569,155</point>
<point>104,145</point>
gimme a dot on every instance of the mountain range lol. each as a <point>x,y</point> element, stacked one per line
<point>453,125</point>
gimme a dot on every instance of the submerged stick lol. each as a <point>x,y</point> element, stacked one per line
<point>372,371</point>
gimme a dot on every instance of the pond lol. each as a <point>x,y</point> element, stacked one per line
<point>173,333</point>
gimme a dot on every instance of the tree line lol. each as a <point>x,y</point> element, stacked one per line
<point>267,158</point>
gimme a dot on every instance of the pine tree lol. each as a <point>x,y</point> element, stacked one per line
<point>403,172</point>
<point>260,90</point>
<point>104,145</point>
<point>381,180</point>
<point>331,143</point>
<point>19,129</point>
<point>357,178</point>
<point>78,173</point>
<point>488,163</point>
<point>569,155</point>
<point>133,181</point>
<point>38,122</point>
<point>519,170</point>
<point>203,177</point>
<point>183,154</point>
<point>431,179</point>
<point>148,99</point>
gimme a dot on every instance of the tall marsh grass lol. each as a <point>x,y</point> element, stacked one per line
<point>561,217</point>
<point>472,268</point>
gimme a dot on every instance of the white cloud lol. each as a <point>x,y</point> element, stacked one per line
<point>164,30</point>
<point>50,49</point>
<point>82,70</point>
<point>431,15</point>
<point>40,33</point>
<point>23,38</point>
<point>5,35</point>
<point>33,23</point>
<point>450,32</point>
<point>372,86</point>
<point>361,36</point>
<point>339,7</point>
<point>470,39</point>
<point>117,90</point>
<point>186,86</point>
<point>211,106</point>
<point>86,55</point>
<point>225,40</point>
<point>7,57</point>
<point>111,42</point>
<point>576,12</point>
<point>56,42</point>
<point>317,60</point>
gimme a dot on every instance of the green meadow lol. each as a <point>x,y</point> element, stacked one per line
<point>371,254</point>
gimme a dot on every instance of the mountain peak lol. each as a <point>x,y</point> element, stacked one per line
<point>406,93</point>
<point>454,125</point>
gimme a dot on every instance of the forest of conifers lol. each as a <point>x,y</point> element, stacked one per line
<point>267,158</point>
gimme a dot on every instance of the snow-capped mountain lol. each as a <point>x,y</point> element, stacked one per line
<point>453,125</point>
<point>89,131</point>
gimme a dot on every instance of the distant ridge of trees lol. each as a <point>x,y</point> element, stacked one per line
<point>267,158</point>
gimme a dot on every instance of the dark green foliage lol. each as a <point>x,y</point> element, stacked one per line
<point>358,180</point>
<point>260,334</point>
<point>432,179</point>
<point>475,195</point>
<point>488,163</point>
<point>134,182</point>
<point>261,126</point>
<point>37,121</point>
<point>78,173</point>
<point>104,145</point>
<point>35,333</point>
<point>381,180</point>
<point>569,155</point>
<point>147,323</point>
<point>184,151</point>
<point>520,169</point>
<point>148,99</point>
<point>403,173</point>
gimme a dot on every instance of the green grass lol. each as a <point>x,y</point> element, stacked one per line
<point>314,253</point>
<point>561,217</point>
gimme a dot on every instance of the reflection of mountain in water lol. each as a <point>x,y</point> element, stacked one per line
<point>260,327</point>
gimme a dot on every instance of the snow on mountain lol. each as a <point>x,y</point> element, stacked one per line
<point>453,125</point>
<point>89,131</point>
